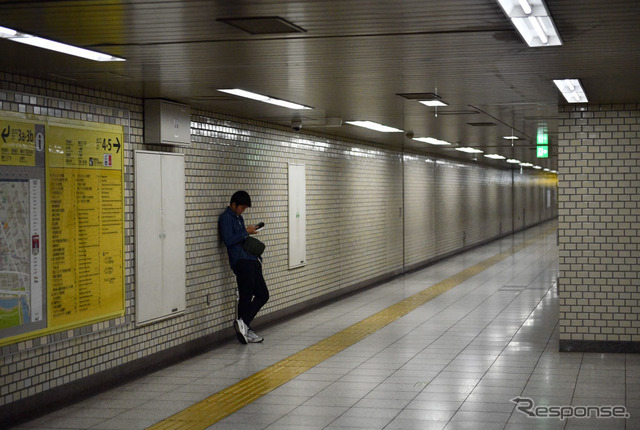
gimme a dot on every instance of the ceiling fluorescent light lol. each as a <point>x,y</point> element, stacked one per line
<point>512,137</point>
<point>432,100</point>
<point>469,150</point>
<point>7,32</point>
<point>495,156</point>
<point>28,39</point>
<point>431,141</point>
<point>571,90</point>
<point>533,22</point>
<point>433,103</point>
<point>265,99</point>
<point>526,7</point>
<point>526,164</point>
<point>513,161</point>
<point>374,126</point>
<point>537,27</point>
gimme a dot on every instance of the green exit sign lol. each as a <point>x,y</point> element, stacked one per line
<point>542,136</point>
<point>542,151</point>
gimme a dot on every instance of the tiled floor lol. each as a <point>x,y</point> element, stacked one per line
<point>454,363</point>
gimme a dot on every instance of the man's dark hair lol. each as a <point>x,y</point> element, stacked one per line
<point>241,198</point>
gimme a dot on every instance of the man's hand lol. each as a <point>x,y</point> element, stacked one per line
<point>252,229</point>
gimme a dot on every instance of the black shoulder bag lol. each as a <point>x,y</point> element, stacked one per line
<point>253,246</point>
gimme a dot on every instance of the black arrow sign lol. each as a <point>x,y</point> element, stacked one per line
<point>117,145</point>
<point>5,133</point>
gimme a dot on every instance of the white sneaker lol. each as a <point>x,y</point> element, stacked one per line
<point>241,330</point>
<point>253,338</point>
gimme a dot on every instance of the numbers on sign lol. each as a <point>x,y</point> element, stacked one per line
<point>24,135</point>
<point>108,145</point>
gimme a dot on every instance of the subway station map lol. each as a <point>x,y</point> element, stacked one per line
<point>61,225</point>
<point>15,254</point>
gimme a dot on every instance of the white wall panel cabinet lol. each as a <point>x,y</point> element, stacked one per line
<point>297,216</point>
<point>160,235</point>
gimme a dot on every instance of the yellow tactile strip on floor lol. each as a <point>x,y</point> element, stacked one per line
<point>222,404</point>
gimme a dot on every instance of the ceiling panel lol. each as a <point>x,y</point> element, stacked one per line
<point>350,62</point>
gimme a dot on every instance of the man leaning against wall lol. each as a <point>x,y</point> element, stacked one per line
<point>252,289</point>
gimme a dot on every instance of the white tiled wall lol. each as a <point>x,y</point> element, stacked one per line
<point>370,213</point>
<point>599,208</point>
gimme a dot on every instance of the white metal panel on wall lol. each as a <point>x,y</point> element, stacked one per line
<point>419,210</point>
<point>449,194</point>
<point>148,252</point>
<point>174,247</point>
<point>297,216</point>
<point>160,235</point>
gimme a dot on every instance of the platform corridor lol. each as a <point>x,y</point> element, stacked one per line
<point>470,342</point>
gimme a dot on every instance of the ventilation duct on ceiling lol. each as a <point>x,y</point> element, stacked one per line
<point>263,25</point>
<point>481,124</point>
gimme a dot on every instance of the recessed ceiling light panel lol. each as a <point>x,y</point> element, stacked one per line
<point>431,141</point>
<point>469,150</point>
<point>533,21</point>
<point>495,156</point>
<point>427,99</point>
<point>433,103</point>
<point>374,126</point>
<point>571,90</point>
<point>28,39</point>
<point>265,99</point>
<point>7,32</point>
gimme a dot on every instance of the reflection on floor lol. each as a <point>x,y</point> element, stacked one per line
<point>468,343</point>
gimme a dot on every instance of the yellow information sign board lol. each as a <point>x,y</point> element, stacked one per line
<point>85,223</point>
<point>17,142</point>
<point>82,164</point>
